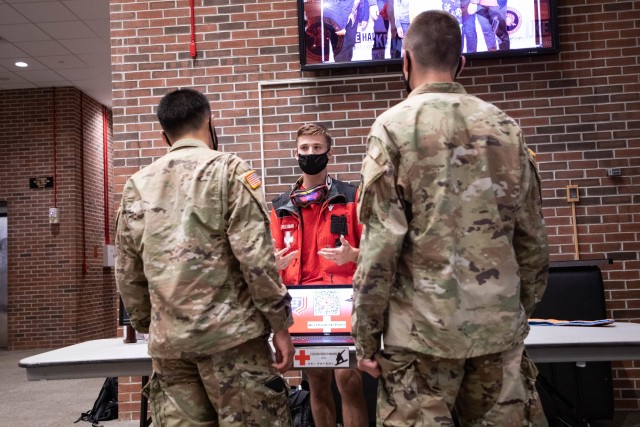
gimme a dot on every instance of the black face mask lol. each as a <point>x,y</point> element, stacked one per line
<point>214,136</point>
<point>458,69</point>
<point>166,139</point>
<point>406,79</point>
<point>313,164</point>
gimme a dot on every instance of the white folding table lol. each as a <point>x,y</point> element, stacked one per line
<point>545,344</point>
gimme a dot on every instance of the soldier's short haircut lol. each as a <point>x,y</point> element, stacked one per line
<point>182,111</point>
<point>434,40</point>
<point>314,129</point>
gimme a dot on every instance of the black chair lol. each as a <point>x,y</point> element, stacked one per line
<point>573,395</point>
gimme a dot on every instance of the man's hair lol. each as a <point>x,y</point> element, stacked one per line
<point>434,40</point>
<point>182,111</point>
<point>314,129</point>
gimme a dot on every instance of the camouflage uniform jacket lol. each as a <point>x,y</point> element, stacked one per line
<point>195,264</point>
<point>454,256</point>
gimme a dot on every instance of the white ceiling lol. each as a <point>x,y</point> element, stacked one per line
<point>65,43</point>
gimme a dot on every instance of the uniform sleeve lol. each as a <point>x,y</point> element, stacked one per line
<point>130,279</point>
<point>381,213</point>
<point>358,227</point>
<point>250,240</point>
<point>530,238</point>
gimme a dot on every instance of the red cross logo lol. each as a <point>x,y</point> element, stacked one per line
<point>302,357</point>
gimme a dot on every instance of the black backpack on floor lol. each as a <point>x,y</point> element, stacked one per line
<point>105,407</point>
<point>300,406</point>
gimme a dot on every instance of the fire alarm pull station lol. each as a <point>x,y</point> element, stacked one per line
<point>54,216</point>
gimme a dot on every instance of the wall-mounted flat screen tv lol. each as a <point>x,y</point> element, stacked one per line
<point>370,32</point>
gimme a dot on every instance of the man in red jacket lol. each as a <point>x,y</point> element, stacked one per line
<point>317,235</point>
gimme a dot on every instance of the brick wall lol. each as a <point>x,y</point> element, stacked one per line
<point>580,111</point>
<point>52,302</point>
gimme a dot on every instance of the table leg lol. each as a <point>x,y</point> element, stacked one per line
<point>579,404</point>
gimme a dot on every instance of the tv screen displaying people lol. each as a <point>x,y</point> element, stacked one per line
<point>371,31</point>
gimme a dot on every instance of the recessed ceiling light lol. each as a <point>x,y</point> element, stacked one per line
<point>21,64</point>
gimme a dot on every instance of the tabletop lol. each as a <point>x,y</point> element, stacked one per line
<point>112,357</point>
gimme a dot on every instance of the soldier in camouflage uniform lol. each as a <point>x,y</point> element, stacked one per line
<point>196,270</point>
<point>454,255</point>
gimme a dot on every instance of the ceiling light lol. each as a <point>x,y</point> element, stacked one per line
<point>21,64</point>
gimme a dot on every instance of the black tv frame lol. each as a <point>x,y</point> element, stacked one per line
<point>534,51</point>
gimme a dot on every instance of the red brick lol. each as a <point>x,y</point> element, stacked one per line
<point>73,305</point>
<point>598,53</point>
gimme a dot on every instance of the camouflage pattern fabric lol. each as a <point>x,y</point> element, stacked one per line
<point>518,403</point>
<point>492,390</point>
<point>234,388</point>
<point>194,257</point>
<point>455,254</point>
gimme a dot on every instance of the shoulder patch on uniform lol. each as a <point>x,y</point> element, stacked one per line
<point>252,179</point>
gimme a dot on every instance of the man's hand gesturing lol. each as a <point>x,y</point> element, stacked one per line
<point>282,260</point>
<point>341,255</point>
